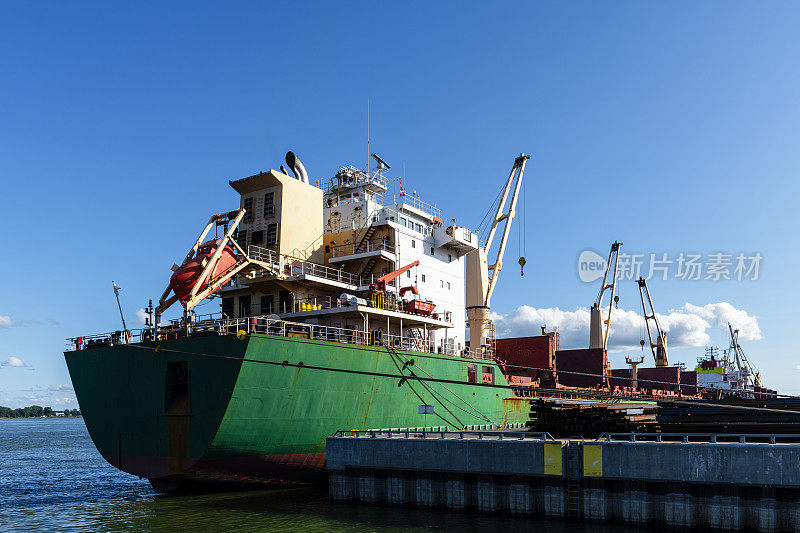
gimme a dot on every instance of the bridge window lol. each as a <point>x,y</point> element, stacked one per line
<point>272,235</point>
<point>248,207</point>
<point>257,237</point>
<point>269,204</point>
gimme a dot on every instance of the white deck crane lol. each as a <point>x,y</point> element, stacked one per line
<point>479,285</point>
<point>598,335</point>
<point>659,348</point>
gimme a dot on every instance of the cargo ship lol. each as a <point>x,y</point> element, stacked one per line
<point>730,375</point>
<point>342,306</point>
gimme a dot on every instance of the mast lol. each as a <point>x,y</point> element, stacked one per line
<point>116,293</point>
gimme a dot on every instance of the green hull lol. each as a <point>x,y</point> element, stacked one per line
<point>220,409</point>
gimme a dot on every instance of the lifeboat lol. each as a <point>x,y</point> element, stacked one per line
<point>420,307</point>
<point>184,278</point>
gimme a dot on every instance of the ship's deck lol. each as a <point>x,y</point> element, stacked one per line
<point>275,326</point>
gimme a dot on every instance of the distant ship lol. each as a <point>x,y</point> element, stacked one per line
<point>732,374</point>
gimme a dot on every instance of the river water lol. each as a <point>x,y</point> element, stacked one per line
<point>53,479</point>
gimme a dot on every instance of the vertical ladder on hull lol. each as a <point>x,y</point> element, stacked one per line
<point>574,472</point>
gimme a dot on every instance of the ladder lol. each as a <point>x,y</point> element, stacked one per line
<point>362,244</point>
<point>418,342</point>
<point>573,472</point>
<point>368,265</point>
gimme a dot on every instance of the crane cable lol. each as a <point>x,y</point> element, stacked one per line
<point>394,356</point>
<point>456,395</point>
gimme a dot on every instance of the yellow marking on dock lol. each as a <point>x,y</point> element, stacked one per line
<point>552,460</point>
<point>593,460</point>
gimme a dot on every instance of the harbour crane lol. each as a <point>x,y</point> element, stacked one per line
<point>598,328</point>
<point>479,285</point>
<point>659,348</point>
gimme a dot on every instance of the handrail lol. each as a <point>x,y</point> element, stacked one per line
<point>259,325</point>
<point>443,432</point>
<point>293,266</point>
<point>709,438</point>
<point>414,202</point>
<point>341,250</point>
<point>299,267</point>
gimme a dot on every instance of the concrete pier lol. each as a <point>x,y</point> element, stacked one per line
<point>712,484</point>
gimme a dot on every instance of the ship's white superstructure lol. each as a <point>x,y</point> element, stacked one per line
<point>337,241</point>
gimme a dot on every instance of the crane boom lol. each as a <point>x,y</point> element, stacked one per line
<point>598,335</point>
<point>380,283</point>
<point>659,348</point>
<point>479,285</point>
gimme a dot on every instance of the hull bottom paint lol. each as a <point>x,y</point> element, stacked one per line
<point>222,410</point>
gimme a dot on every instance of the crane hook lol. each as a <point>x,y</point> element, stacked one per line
<point>521,266</point>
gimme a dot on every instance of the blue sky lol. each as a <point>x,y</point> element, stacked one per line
<point>671,127</point>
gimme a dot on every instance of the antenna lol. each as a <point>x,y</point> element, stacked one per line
<point>116,293</point>
<point>382,165</point>
<point>367,135</point>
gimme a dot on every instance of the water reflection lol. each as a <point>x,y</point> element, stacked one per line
<point>53,479</point>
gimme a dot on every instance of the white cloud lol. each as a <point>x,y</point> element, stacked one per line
<point>686,327</point>
<point>62,387</point>
<point>720,314</point>
<point>141,314</point>
<point>7,322</point>
<point>13,361</point>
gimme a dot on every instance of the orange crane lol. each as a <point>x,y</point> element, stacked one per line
<point>380,283</point>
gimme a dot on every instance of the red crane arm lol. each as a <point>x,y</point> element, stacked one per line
<point>381,282</point>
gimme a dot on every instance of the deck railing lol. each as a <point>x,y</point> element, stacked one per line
<point>264,325</point>
<point>297,267</point>
<point>412,201</point>
<point>342,250</point>
<point>487,432</point>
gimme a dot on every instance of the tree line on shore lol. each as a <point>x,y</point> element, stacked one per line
<point>35,411</point>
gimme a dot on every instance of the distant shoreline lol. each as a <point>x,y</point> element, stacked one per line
<point>38,417</point>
